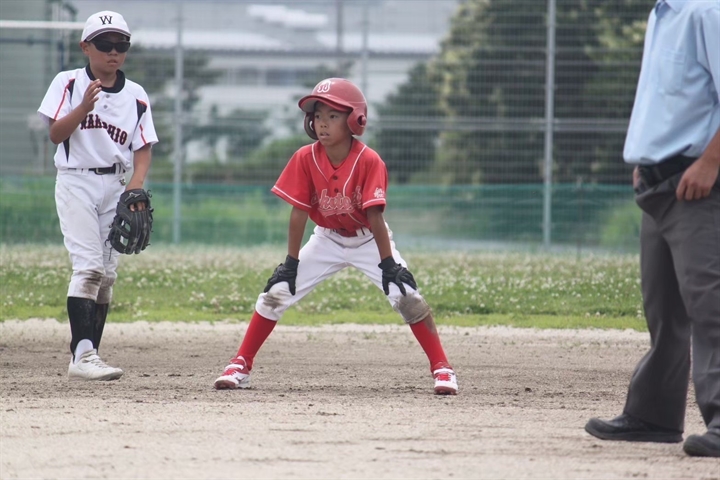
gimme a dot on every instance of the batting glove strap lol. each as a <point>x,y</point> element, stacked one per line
<point>291,262</point>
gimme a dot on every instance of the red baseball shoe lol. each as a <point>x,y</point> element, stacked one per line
<point>236,375</point>
<point>445,381</point>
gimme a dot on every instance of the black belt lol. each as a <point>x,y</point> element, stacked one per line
<point>655,174</point>
<point>117,168</point>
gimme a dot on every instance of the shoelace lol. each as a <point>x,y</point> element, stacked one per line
<point>96,360</point>
<point>235,368</point>
<point>444,375</point>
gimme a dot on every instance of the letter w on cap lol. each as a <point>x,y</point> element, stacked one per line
<point>323,87</point>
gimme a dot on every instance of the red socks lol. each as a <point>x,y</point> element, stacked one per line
<point>260,328</point>
<point>257,332</point>
<point>430,342</point>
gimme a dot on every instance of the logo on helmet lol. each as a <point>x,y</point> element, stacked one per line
<point>323,87</point>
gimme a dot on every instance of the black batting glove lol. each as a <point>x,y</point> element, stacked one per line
<point>285,272</point>
<point>397,274</point>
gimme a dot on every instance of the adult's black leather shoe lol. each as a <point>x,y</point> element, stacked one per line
<point>631,429</point>
<point>707,445</point>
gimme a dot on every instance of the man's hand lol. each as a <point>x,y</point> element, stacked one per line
<point>698,180</point>
<point>636,177</point>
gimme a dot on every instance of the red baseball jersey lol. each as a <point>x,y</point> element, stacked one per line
<point>334,197</point>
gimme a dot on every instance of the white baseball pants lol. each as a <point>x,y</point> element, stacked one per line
<point>86,205</point>
<point>325,254</point>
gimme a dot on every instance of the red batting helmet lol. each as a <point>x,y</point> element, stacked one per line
<point>340,94</point>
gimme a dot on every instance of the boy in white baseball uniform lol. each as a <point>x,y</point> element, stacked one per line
<point>102,125</point>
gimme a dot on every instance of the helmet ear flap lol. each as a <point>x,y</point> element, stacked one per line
<point>356,122</point>
<point>309,127</point>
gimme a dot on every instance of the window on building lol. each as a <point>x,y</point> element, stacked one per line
<point>289,77</point>
<point>273,77</point>
<point>241,76</point>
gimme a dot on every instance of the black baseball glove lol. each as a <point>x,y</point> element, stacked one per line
<point>285,272</point>
<point>130,230</point>
<point>397,274</point>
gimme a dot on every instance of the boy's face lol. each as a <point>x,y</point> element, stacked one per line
<point>106,62</point>
<point>331,125</point>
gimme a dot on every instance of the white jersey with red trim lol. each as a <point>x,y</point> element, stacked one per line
<point>120,123</point>
<point>334,197</point>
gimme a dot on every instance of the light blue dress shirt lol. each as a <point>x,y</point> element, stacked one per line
<point>677,104</point>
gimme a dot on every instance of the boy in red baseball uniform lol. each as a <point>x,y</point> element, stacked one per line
<point>340,184</point>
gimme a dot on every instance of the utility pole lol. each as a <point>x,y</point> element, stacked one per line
<point>549,123</point>
<point>365,45</point>
<point>339,35</point>
<point>178,141</point>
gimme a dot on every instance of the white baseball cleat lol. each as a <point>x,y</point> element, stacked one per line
<point>91,367</point>
<point>236,375</point>
<point>445,381</point>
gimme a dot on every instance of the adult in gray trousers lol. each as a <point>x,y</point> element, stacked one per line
<point>674,141</point>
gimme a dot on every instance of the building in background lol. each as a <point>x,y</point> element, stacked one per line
<point>267,51</point>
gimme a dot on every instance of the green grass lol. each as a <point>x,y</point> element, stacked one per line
<point>221,284</point>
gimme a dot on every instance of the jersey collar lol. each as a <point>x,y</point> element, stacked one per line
<point>119,81</point>
<point>676,5</point>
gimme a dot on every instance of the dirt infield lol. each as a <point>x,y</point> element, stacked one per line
<point>328,402</point>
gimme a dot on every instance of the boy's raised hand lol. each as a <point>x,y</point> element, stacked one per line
<point>91,95</point>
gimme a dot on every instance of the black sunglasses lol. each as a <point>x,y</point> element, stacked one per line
<point>107,47</point>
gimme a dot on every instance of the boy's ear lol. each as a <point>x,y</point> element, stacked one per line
<point>84,47</point>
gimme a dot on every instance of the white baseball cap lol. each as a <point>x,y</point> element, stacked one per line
<point>103,22</point>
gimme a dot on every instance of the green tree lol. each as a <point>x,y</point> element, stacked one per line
<point>244,129</point>
<point>491,72</point>
<point>491,69</point>
<point>409,126</point>
<point>261,166</point>
<point>265,164</point>
<point>609,93</point>
<point>155,71</point>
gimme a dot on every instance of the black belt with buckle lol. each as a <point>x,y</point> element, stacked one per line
<point>117,168</point>
<point>655,174</point>
<point>106,170</point>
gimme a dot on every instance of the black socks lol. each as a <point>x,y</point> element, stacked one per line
<point>101,311</point>
<point>81,312</point>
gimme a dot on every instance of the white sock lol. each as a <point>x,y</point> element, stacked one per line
<point>83,346</point>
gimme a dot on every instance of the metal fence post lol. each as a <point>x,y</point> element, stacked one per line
<point>549,120</point>
<point>365,47</point>
<point>177,144</point>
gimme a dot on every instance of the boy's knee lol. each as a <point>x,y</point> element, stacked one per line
<point>86,283</point>
<point>272,304</point>
<point>105,292</point>
<point>412,307</point>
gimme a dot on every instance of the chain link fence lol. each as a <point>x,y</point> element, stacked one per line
<point>501,121</point>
